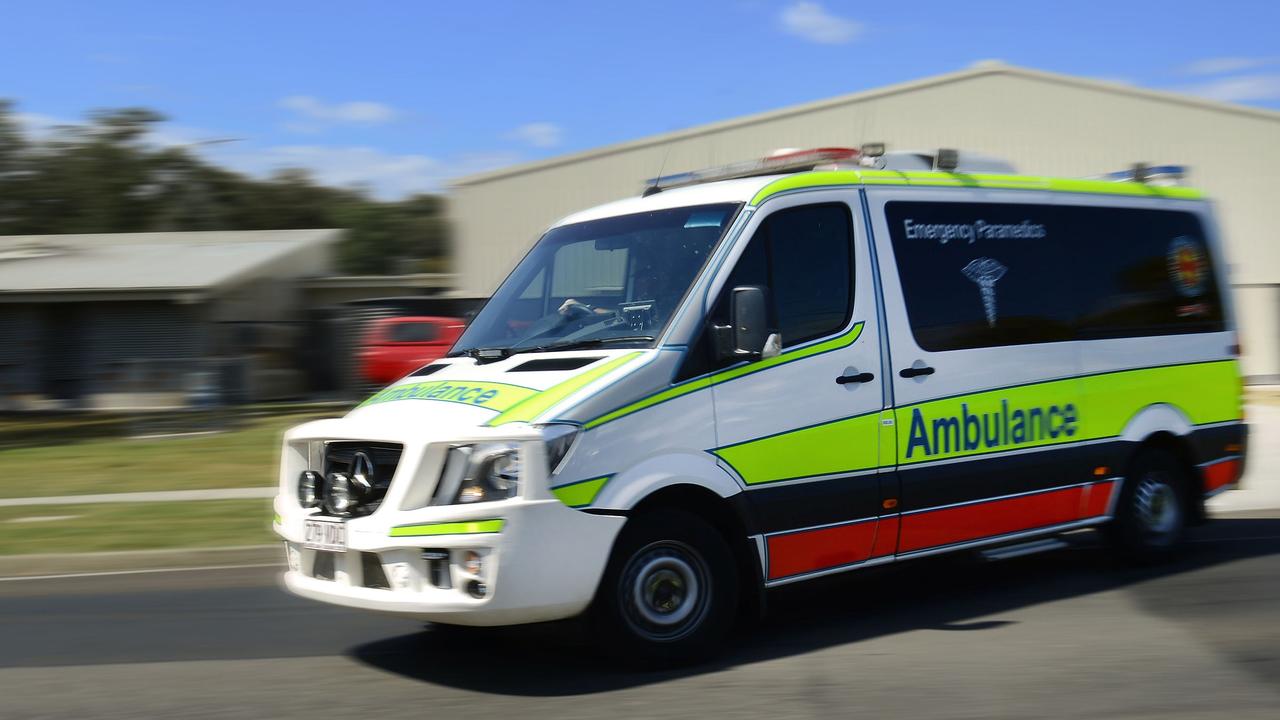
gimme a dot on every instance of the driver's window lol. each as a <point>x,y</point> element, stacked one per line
<point>803,256</point>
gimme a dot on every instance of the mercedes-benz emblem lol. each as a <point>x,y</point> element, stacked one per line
<point>363,470</point>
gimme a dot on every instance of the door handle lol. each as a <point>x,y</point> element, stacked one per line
<point>859,378</point>
<point>915,372</point>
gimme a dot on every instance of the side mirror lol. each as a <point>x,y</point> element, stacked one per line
<point>747,336</point>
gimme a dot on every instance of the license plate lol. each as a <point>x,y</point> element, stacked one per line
<point>325,535</point>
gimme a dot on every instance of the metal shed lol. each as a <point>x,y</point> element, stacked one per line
<point>1044,123</point>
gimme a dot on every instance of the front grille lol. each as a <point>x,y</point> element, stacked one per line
<point>340,457</point>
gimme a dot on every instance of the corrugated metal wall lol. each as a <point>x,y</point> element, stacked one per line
<point>140,345</point>
<point>19,350</point>
<point>68,350</point>
<point>1045,124</point>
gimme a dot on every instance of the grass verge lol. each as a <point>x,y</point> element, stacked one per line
<point>246,456</point>
<point>134,526</point>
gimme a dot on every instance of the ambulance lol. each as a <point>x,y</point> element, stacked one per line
<point>774,371</point>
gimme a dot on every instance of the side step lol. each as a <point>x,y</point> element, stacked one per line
<point>1005,552</point>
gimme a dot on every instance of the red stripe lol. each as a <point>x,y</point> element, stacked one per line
<point>1098,499</point>
<point>999,517</point>
<point>886,537</point>
<point>811,550</point>
<point>1221,473</point>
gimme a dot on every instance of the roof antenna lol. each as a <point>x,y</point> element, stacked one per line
<point>654,189</point>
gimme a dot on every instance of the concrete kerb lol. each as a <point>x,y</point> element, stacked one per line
<point>138,497</point>
<point>131,560</point>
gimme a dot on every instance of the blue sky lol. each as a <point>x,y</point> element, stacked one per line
<point>402,96</point>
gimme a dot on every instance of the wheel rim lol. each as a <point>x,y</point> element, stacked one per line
<point>665,591</point>
<point>1158,509</point>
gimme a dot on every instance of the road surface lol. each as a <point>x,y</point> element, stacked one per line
<point>1065,634</point>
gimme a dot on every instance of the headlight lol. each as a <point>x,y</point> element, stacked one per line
<point>340,498</point>
<point>479,473</point>
<point>559,439</point>
<point>308,488</point>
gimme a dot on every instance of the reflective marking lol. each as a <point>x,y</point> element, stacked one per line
<point>701,383</point>
<point>531,407</point>
<point>580,493</point>
<point>845,178</point>
<point>470,527</point>
<point>816,450</point>
<point>494,396</point>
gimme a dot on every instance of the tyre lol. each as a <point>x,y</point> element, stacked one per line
<point>1152,511</point>
<point>669,594</point>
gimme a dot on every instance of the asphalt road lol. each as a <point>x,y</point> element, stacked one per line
<point>1064,634</point>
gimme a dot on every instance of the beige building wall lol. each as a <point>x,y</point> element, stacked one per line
<point>1045,124</point>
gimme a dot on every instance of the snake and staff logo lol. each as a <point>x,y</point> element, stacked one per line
<point>985,272</point>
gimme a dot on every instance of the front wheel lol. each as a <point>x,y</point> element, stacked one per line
<point>1151,514</point>
<point>670,592</point>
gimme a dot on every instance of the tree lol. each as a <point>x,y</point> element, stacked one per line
<point>106,176</point>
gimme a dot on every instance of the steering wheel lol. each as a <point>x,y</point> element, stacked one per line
<point>572,317</point>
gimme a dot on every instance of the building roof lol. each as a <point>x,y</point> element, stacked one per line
<point>176,262</point>
<point>980,69</point>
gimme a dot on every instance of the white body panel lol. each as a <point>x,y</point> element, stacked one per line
<point>644,428</point>
<point>958,371</point>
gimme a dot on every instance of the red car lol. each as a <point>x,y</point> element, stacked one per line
<point>395,347</point>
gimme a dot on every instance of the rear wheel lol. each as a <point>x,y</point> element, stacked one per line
<point>1152,511</point>
<point>670,592</point>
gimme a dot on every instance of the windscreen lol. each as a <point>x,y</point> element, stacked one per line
<point>614,281</point>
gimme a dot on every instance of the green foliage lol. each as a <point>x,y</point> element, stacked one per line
<point>103,176</point>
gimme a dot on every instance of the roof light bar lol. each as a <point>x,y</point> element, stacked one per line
<point>782,161</point>
<point>1143,173</point>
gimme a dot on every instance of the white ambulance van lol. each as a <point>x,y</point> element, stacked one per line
<point>771,373</point>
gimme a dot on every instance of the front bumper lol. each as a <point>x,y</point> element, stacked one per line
<point>543,561</point>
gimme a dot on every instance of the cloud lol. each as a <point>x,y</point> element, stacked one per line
<point>538,134</point>
<point>1223,65</point>
<point>40,127</point>
<point>359,112</point>
<point>388,176</point>
<point>1241,88</point>
<point>811,21</point>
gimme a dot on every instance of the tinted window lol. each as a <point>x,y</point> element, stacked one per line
<point>804,257</point>
<point>979,275</point>
<point>1141,272</point>
<point>811,277</point>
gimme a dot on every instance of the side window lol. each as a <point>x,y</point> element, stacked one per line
<point>979,275</point>
<point>803,255</point>
<point>811,270</point>
<point>1142,272</point>
<point>414,332</point>
<point>982,274</point>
